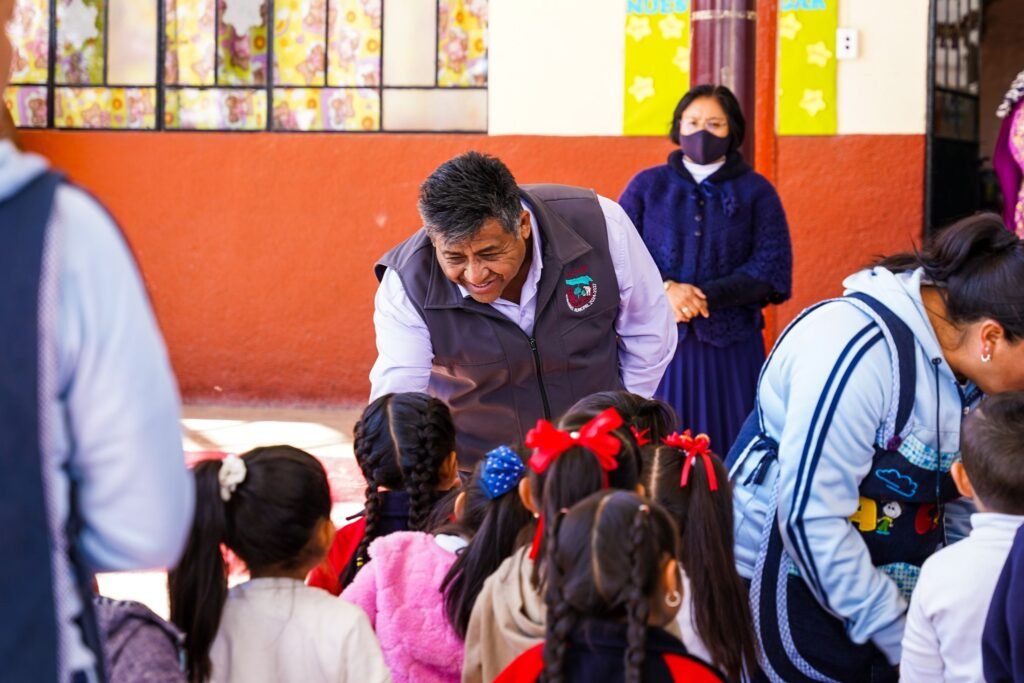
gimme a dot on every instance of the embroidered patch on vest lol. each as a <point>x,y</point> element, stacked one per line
<point>580,290</point>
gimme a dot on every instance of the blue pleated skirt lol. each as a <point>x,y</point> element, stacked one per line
<point>713,388</point>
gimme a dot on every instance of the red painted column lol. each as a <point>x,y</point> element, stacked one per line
<point>723,49</point>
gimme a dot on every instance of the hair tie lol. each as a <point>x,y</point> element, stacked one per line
<point>694,446</point>
<point>642,437</point>
<point>501,471</point>
<point>549,443</point>
<point>232,473</point>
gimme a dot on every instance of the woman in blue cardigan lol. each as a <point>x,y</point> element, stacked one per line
<point>719,235</point>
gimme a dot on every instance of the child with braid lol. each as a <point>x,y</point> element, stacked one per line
<point>566,466</point>
<point>407,588</point>
<point>691,484</point>
<point>613,584</point>
<point>405,446</point>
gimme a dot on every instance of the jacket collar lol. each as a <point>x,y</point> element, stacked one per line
<point>605,634</point>
<point>734,167</point>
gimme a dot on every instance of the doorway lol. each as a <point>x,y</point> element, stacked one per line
<point>976,50</point>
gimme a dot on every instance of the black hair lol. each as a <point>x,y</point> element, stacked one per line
<point>401,441</point>
<point>498,527</point>
<point>269,522</point>
<point>730,105</point>
<point>465,192</point>
<point>977,265</point>
<point>607,555</point>
<point>992,450</point>
<point>721,611</point>
<point>573,476</point>
<point>653,418</point>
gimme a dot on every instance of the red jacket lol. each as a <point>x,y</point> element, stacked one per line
<point>327,574</point>
<point>597,651</point>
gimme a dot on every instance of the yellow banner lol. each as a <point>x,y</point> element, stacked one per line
<point>657,64</point>
<point>807,67</point>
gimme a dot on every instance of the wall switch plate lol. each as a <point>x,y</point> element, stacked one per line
<point>847,43</point>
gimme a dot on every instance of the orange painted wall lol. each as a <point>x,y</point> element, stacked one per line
<point>257,248</point>
<point>848,199</point>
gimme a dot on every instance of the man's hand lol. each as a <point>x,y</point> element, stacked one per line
<point>687,301</point>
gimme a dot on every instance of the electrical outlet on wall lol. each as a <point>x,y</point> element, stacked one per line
<point>847,43</point>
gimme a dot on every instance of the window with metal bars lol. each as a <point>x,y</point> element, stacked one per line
<point>250,65</point>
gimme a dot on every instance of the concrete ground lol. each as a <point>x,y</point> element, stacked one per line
<point>326,434</point>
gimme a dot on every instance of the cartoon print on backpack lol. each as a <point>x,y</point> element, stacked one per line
<point>890,513</point>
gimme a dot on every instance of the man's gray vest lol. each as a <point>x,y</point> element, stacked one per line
<point>498,380</point>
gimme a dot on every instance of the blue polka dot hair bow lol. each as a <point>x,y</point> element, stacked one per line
<point>501,472</point>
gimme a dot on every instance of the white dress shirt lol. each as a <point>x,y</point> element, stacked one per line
<point>645,325</point>
<point>942,641</point>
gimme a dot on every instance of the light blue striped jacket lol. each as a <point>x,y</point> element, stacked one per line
<point>827,421</point>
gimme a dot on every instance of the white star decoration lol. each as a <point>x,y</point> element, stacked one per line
<point>789,26</point>
<point>642,88</point>
<point>638,28</point>
<point>818,54</point>
<point>77,23</point>
<point>813,102</point>
<point>671,27</point>
<point>682,58</point>
<point>243,15</point>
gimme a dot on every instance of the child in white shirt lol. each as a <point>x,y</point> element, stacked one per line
<point>942,641</point>
<point>271,507</point>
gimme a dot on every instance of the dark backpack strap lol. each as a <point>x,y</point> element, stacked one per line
<point>906,357</point>
<point>29,635</point>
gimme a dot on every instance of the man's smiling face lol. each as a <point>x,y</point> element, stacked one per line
<point>486,262</point>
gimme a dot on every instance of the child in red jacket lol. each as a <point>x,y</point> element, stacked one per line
<point>613,583</point>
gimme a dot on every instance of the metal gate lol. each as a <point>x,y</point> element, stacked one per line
<point>953,159</point>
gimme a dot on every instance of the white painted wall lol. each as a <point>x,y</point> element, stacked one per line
<point>885,90</point>
<point>556,67</point>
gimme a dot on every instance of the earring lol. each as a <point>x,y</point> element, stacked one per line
<point>674,599</point>
<point>987,356</point>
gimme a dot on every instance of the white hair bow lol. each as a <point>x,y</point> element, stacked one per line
<point>232,473</point>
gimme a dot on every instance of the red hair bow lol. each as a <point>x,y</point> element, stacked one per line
<point>549,443</point>
<point>642,437</point>
<point>694,446</point>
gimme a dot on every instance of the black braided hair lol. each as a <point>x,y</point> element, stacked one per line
<point>637,606</point>
<point>420,459</point>
<point>400,443</point>
<point>561,618</point>
<point>590,576</point>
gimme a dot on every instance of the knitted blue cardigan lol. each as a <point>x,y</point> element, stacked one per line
<point>727,235</point>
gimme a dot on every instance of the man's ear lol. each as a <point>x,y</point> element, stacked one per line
<point>525,225</point>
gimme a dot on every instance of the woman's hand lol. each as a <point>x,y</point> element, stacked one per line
<point>687,301</point>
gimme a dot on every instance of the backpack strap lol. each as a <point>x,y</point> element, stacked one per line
<point>904,347</point>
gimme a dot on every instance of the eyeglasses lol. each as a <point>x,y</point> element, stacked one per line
<point>715,125</point>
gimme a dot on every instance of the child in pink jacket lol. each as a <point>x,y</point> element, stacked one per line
<point>403,588</point>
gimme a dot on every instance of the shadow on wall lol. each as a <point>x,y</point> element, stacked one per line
<point>258,248</point>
